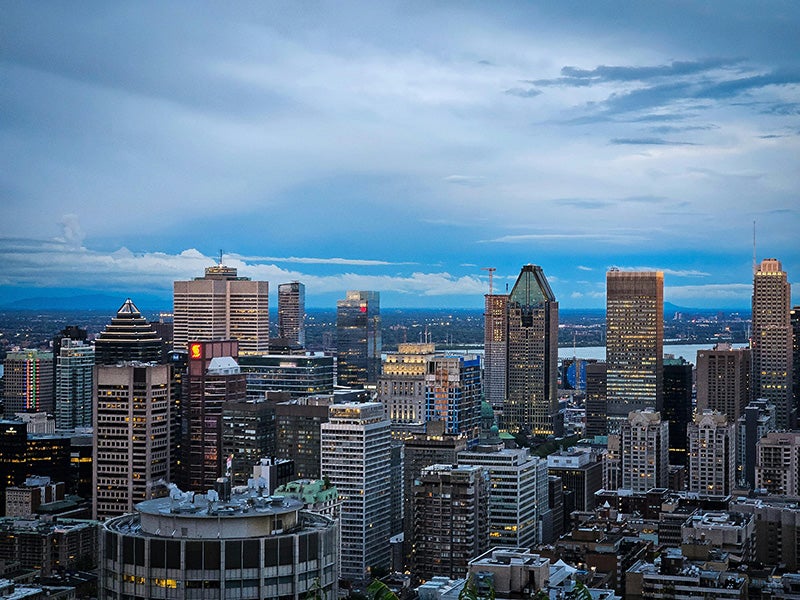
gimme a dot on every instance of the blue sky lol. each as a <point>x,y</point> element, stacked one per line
<point>399,147</point>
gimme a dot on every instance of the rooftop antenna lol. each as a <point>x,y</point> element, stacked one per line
<point>755,267</point>
<point>491,278</point>
<point>220,257</point>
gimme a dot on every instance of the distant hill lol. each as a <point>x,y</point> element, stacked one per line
<point>105,302</point>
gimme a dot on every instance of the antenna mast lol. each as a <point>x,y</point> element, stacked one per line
<point>491,278</point>
<point>220,257</point>
<point>755,265</point>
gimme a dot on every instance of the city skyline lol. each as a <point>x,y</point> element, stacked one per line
<point>399,147</point>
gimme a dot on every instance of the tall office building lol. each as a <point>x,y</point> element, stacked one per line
<point>132,435</point>
<point>300,376</point>
<point>711,454</point>
<point>74,383</point>
<point>453,393</point>
<point>356,457</point>
<point>214,379</point>
<point>401,385</point>
<point>495,346</point>
<point>28,382</point>
<point>71,332</point>
<point>772,340</point>
<point>358,338</point>
<point>129,337</point>
<point>248,435</point>
<point>580,474</point>
<point>450,520</point>
<point>596,399</point>
<point>677,406</point>
<point>794,319</point>
<point>292,312</point>
<point>298,435</point>
<point>532,385</point>
<point>778,463</point>
<point>222,306</point>
<point>634,343</point>
<point>757,420</point>
<point>518,496</point>
<point>723,380</point>
<point>644,451</point>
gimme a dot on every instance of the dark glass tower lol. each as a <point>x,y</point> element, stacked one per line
<point>129,337</point>
<point>677,406</point>
<point>532,396</point>
<point>358,338</point>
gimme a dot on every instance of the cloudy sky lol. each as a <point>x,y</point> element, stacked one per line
<point>399,147</point>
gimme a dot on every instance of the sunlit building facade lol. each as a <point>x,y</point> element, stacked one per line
<point>712,454</point>
<point>292,312</point>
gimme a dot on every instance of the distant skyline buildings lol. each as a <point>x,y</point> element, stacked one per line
<point>358,338</point>
<point>292,312</point>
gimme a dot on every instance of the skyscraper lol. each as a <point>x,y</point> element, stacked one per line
<point>711,454</point>
<point>495,346</point>
<point>453,393</point>
<point>723,380</point>
<point>132,435</point>
<point>355,456</point>
<point>596,399</point>
<point>222,306</point>
<point>292,312</point>
<point>778,463</point>
<point>532,383</point>
<point>214,378</point>
<point>772,340</point>
<point>634,343</point>
<point>28,382</point>
<point>129,337</point>
<point>358,338</point>
<point>644,451</point>
<point>74,366</point>
<point>401,385</point>
<point>677,406</point>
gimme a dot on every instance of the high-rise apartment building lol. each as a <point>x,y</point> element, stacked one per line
<point>518,496</point>
<point>453,393</point>
<point>778,463</point>
<point>644,451</point>
<point>794,319</point>
<point>214,379</point>
<point>292,312</point>
<point>71,332</point>
<point>771,340</point>
<point>128,337</point>
<point>222,306</point>
<point>74,369</point>
<point>356,458</point>
<point>711,454</point>
<point>758,419</point>
<point>358,338</point>
<point>132,435</point>
<point>677,409</point>
<point>532,383</point>
<point>723,379</point>
<point>634,343</point>
<point>28,382</point>
<point>495,346</point>
<point>401,385</point>
<point>450,520</point>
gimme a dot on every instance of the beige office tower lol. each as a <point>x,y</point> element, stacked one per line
<point>644,451</point>
<point>771,340</point>
<point>711,453</point>
<point>132,436</point>
<point>634,343</point>
<point>222,306</point>
<point>292,312</point>
<point>723,380</point>
<point>495,344</point>
<point>401,386</point>
<point>778,463</point>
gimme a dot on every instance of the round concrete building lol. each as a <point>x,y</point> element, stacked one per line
<point>244,545</point>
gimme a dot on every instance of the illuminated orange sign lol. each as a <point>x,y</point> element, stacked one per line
<point>195,351</point>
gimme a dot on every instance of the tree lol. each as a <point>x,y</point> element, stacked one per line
<point>377,590</point>
<point>470,591</point>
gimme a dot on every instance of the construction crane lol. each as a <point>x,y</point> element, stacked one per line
<point>491,278</point>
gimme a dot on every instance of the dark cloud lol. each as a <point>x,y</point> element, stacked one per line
<point>523,93</point>
<point>584,203</point>
<point>664,129</point>
<point>649,142</point>
<point>783,109</point>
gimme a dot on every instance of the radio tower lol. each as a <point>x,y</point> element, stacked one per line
<point>491,278</point>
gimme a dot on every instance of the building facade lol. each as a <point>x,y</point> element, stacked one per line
<point>677,408</point>
<point>292,312</point>
<point>723,380</point>
<point>777,467</point>
<point>132,435</point>
<point>453,393</point>
<point>300,376</point>
<point>355,456</point>
<point>712,453</point>
<point>28,377</point>
<point>222,306</point>
<point>128,337</point>
<point>771,340</point>
<point>358,338</point>
<point>532,382</point>
<point>495,346</point>
<point>634,343</point>
<point>758,419</point>
<point>401,386</point>
<point>644,451</point>
<point>73,384</point>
